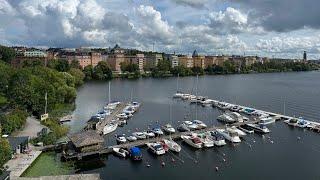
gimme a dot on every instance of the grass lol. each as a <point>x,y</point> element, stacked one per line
<point>47,165</point>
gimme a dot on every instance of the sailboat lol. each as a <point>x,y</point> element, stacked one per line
<point>178,94</point>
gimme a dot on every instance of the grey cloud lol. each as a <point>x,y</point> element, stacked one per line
<point>192,3</point>
<point>283,15</point>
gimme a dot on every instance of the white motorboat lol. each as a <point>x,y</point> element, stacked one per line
<point>223,105</point>
<point>186,96</point>
<point>139,135</point>
<point>235,108</point>
<point>168,128</point>
<point>110,128</point>
<point>156,148</point>
<point>178,95</point>
<point>226,118</point>
<point>302,123</point>
<point>206,140</point>
<point>135,105</point>
<point>149,134</point>
<point>190,125</point>
<point>131,138</point>
<point>200,124</point>
<point>121,138</point>
<point>183,127</point>
<point>218,139</point>
<point>267,120</point>
<point>260,128</point>
<point>230,136</point>
<point>157,131</point>
<point>172,145</point>
<point>128,114</point>
<point>235,129</point>
<point>292,121</point>
<point>120,152</point>
<point>245,129</point>
<point>192,141</point>
<point>122,116</point>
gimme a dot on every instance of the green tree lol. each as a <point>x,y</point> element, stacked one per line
<point>102,71</point>
<point>88,72</point>
<point>7,53</point>
<point>78,76</point>
<point>75,64</point>
<point>5,151</point>
<point>62,65</point>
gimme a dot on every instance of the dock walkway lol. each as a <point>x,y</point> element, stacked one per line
<point>112,116</point>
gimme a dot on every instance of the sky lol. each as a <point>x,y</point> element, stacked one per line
<point>273,28</point>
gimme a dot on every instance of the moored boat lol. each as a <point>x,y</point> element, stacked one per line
<point>218,139</point>
<point>192,141</point>
<point>172,145</point>
<point>120,152</point>
<point>259,128</point>
<point>267,120</point>
<point>139,135</point>
<point>183,128</point>
<point>206,139</point>
<point>110,127</point>
<point>131,138</point>
<point>235,129</point>
<point>135,154</point>
<point>168,128</point>
<point>156,148</point>
<point>230,136</point>
<point>121,138</point>
<point>200,124</point>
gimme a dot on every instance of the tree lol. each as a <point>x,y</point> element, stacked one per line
<point>88,72</point>
<point>5,151</point>
<point>5,74</point>
<point>181,71</point>
<point>78,76</point>
<point>7,53</point>
<point>62,65</point>
<point>75,64</point>
<point>102,71</point>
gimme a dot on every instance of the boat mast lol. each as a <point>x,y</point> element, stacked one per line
<point>178,83</point>
<point>131,95</point>
<point>197,97</point>
<point>109,92</point>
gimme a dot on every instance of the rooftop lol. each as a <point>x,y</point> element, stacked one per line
<point>85,138</point>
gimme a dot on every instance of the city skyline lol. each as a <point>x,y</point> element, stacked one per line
<point>261,28</point>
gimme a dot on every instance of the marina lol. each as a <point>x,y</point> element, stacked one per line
<point>154,113</point>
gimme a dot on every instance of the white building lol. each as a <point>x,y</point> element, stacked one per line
<point>174,60</point>
<point>34,53</point>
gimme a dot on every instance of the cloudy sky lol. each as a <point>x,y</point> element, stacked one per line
<point>280,28</point>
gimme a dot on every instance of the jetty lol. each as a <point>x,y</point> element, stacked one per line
<point>118,110</point>
<point>175,136</point>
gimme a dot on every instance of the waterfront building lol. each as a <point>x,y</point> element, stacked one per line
<point>221,59</point>
<point>84,58</point>
<point>86,141</point>
<point>34,53</point>
<point>185,61</point>
<point>174,60</point>
<point>115,58</point>
<point>198,60</point>
<point>138,59</point>
<point>18,144</point>
<point>151,60</point>
<point>209,61</point>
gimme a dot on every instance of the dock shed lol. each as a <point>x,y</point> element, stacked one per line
<point>86,141</point>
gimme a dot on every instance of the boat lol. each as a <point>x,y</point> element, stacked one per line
<point>135,154</point>
<point>178,95</point>
<point>135,105</point>
<point>292,121</point>
<point>192,141</point>
<point>168,128</point>
<point>235,129</point>
<point>223,105</point>
<point>206,139</point>
<point>190,125</point>
<point>230,136</point>
<point>259,128</point>
<point>122,122</point>
<point>172,145</point>
<point>156,148</point>
<point>235,108</point>
<point>121,138</point>
<point>218,139</point>
<point>122,116</point>
<point>149,134</point>
<point>120,152</point>
<point>267,120</point>
<point>128,114</point>
<point>110,128</point>
<point>139,135</point>
<point>231,117</point>
<point>186,96</point>
<point>157,131</point>
<point>183,128</point>
<point>247,111</point>
<point>302,123</point>
<point>200,124</point>
<point>131,138</point>
<point>207,102</point>
<point>246,130</point>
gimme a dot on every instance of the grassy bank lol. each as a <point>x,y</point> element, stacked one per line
<point>47,164</point>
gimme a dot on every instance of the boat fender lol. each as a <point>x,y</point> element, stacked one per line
<point>173,160</point>
<point>148,165</point>
<point>217,168</point>
<point>271,142</point>
<point>223,154</point>
<point>299,137</point>
<point>224,160</point>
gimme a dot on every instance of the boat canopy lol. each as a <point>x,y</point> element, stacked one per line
<point>135,151</point>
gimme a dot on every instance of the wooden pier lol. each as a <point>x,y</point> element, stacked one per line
<point>108,149</point>
<point>112,116</point>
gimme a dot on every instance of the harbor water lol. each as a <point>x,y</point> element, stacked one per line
<point>285,153</point>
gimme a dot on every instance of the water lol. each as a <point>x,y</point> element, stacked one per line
<point>278,155</point>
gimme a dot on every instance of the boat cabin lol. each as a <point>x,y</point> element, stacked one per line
<point>86,141</point>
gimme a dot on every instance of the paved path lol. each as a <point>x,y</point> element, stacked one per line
<point>31,128</point>
<point>21,163</point>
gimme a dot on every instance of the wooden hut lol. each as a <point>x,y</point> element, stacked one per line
<point>86,141</point>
